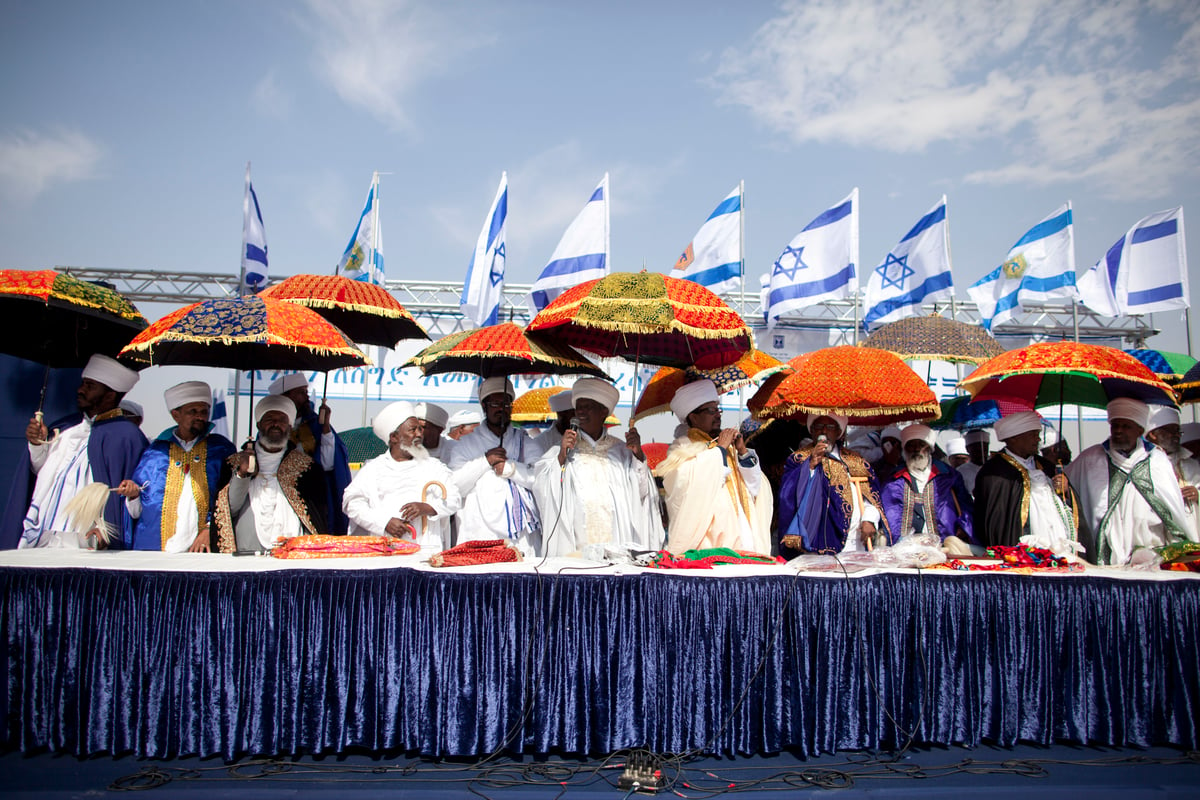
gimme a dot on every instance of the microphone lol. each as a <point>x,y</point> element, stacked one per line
<point>573,425</point>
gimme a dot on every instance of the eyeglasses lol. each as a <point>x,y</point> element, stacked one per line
<point>498,404</point>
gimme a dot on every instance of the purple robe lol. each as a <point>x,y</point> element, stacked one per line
<point>816,510</point>
<point>952,508</point>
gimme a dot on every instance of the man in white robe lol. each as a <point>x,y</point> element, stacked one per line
<point>459,425</point>
<point>493,468</point>
<point>404,492</point>
<point>1165,431</point>
<point>435,419</point>
<point>1127,487</point>
<point>717,495</point>
<point>595,493</point>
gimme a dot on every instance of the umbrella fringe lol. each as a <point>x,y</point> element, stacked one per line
<point>788,409</point>
<point>673,327</point>
<point>377,311</point>
<point>967,382</point>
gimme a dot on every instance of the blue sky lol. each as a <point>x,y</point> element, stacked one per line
<point>125,127</point>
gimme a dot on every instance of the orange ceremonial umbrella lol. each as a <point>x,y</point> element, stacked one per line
<point>502,349</point>
<point>533,408</point>
<point>367,313</point>
<point>871,387</point>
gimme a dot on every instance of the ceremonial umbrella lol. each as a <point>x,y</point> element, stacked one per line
<point>648,318</point>
<point>1066,373</point>
<point>1188,386</point>
<point>935,338</point>
<point>656,397</point>
<point>961,414</point>
<point>532,409</point>
<point>870,387</point>
<point>498,350</point>
<point>367,313</point>
<point>55,319</point>
<point>1171,367</point>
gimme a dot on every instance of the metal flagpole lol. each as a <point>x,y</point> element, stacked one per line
<point>1187,321</point>
<point>1078,409</point>
<point>237,374</point>
<point>371,275</point>
<point>742,241</point>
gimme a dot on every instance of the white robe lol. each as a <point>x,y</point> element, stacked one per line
<point>1048,527</point>
<point>497,506</point>
<point>1134,523</point>
<point>62,469</point>
<point>384,484</point>
<point>1187,470</point>
<point>602,496</point>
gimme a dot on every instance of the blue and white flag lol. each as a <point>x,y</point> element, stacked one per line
<point>915,272</point>
<point>484,285</point>
<point>1039,268</point>
<point>714,257</point>
<point>220,415</point>
<point>363,259</point>
<point>1144,272</point>
<point>582,253</point>
<point>254,241</point>
<point>818,264</point>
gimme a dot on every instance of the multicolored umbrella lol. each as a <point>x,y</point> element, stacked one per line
<point>244,333</point>
<point>1066,373</point>
<point>935,338</point>
<point>502,349</point>
<point>961,414</point>
<point>55,319</point>
<point>871,387</point>
<point>1188,387</point>
<point>647,318</point>
<point>1171,367</point>
<point>367,313</point>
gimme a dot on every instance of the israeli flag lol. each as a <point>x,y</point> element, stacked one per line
<point>818,264</point>
<point>714,257</point>
<point>1039,268</point>
<point>1144,272</point>
<point>915,272</point>
<point>582,253</point>
<point>363,259</point>
<point>485,276</point>
<point>254,240</point>
<point>220,415</point>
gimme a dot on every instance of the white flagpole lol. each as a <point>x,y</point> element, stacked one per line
<point>371,276</point>
<point>742,242</point>
<point>237,374</point>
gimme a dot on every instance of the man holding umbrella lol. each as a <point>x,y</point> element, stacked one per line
<point>99,445</point>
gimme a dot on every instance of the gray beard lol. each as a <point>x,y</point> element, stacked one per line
<point>416,450</point>
<point>920,462</point>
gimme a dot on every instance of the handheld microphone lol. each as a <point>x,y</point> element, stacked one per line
<point>573,425</point>
<point>822,440</point>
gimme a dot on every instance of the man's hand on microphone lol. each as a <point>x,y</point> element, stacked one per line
<point>569,439</point>
<point>819,451</point>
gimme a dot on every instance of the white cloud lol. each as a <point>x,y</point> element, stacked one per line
<point>375,52</point>
<point>270,98</point>
<point>1053,89</point>
<point>32,162</point>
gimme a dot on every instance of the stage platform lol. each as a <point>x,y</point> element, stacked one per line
<point>161,656</point>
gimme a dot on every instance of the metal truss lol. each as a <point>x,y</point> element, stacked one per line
<point>435,305</point>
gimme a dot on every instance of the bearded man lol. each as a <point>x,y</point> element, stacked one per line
<point>404,492</point>
<point>272,490</point>
<point>1165,432</point>
<point>928,496</point>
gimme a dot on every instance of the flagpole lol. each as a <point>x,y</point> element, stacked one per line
<point>371,275</point>
<point>241,290</point>
<point>742,242</point>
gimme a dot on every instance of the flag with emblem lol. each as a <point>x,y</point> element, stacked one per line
<point>254,240</point>
<point>714,257</point>
<point>818,264</point>
<point>484,285</point>
<point>582,253</point>
<point>363,259</point>
<point>1040,268</point>
<point>1144,272</point>
<point>916,271</point>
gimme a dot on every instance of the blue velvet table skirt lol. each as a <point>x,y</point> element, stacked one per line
<point>170,664</point>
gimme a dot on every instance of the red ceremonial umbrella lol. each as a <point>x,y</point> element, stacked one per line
<point>367,313</point>
<point>502,349</point>
<point>871,387</point>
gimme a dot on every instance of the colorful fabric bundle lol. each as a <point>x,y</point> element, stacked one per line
<point>326,546</point>
<point>709,558</point>
<point>489,551</point>
<point>1021,557</point>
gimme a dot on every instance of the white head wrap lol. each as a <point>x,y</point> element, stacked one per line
<point>434,415</point>
<point>956,446</point>
<point>561,401</point>
<point>596,389</point>
<point>470,416</point>
<point>1189,432</point>
<point>132,408</point>
<point>890,432</point>
<point>392,416</point>
<point>922,433</point>
<point>1127,408</point>
<point>1163,415</point>
<point>285,383</point>
<point>691,396</point>
<point>1016,424</point>
<point>838,418</point>
<point>496,385</point>
<point>275,402</point>
<point>111,373</point>
<point>187,392</point>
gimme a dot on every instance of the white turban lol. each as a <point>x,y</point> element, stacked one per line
<point>285,383</point>
<point>434,415</point>
<point>890,432</point>
<point>111,373</point>
<point>275,402</point>
<point>838,418</point>
<point>1127,408</point>
<point>691,396</point>
<point>1189,432</point>
<point>1016,424</point>
<point>187,392</point>
<point>496,385</point>
<point>131,408</point>
<point>922,433</point>
<point>956,446</point>
<point>391,417</point>
<point>561,401</point>
<point>596,389</point>
<point>1161,416</point>
<point>470,416</point>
